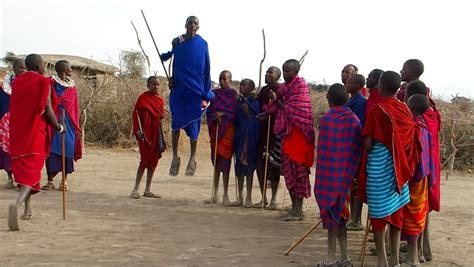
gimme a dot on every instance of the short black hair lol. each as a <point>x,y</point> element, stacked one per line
<point>190,18</point>
<point>337,94</point>
<point>359,79</point>
<point>416,87</point>
<point>228,72</point>
<point>33,62</point>
<point>60,66</point>
<point>376,73</point>
<point>277,71</point>
<point>354,66</point>
<point>416,66</point>
<point>251,82</point>
<point>294,64</point>
<point>151,78</point>
<point>17,62</point>
<point>390,82</point>
<point>418,104</point>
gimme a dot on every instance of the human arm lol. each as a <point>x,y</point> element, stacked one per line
<point>51,117</point>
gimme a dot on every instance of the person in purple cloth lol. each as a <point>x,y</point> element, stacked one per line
<point>190,87</point>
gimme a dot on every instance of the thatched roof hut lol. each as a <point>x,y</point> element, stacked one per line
<point>81,66</point>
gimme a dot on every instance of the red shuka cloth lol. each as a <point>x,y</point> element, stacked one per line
<point>391,123</point>
<point>433,123</point>
<point>70,103</point>
<point>150,109</point>
<point>29,133</point>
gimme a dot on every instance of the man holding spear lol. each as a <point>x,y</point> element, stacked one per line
<point>190,89</point>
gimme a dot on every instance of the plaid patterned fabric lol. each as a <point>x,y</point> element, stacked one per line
<point>296,111</point>
<point>425,166</point>
<point>225,101</point>
<point>296,177</point>
<point>339,151</point>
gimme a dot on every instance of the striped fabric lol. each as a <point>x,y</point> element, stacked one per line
<point>382,195</point>
<point>414,213</point>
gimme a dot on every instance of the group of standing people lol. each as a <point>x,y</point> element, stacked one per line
<point>38,112</point>
<point>377,145</point>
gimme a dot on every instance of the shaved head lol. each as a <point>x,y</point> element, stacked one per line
<point>337,95</point>
<point>34,62</point>
<point>418,104</point>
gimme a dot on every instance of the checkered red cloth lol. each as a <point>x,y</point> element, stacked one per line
<point>339,151</point>
<point>225,101</point>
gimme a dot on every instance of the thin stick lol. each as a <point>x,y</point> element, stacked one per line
<point>141,47</point>
<point>266,163</point>
<point>140,126</point>
<point>159,54</point>
<point>302,58</point>
<point>284,195</point>
<point>303,237</point>
<point>261,62</point>
<point>63,166</point>
<point>364,241</point>
<point>213,196</point>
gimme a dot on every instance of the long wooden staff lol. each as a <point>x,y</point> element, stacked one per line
<point>261,62</point>
<point>303,237</point>
<point>63,165</point>
<point>159,54</point>
<point>364,242</point>
<point>266,163</point>
<point>215,164</point>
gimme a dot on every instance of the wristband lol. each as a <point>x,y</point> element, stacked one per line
<point>61,128</point>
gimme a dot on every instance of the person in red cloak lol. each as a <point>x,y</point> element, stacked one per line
<point>147,115</point>
<point>32,116</point>
<point>432,121</point>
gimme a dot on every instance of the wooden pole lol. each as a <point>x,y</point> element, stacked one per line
<point>156,47</point>
<point>261,62</point>
<point>364,241</point>
<point>214,186</point>
<point>303,237</point>
<point>63,165</point>
<point>266,162</point>
<point>284,195</point>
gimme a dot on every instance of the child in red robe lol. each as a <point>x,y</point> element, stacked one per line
<point>147,115</point>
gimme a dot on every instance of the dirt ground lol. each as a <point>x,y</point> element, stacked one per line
<point>105,227</point>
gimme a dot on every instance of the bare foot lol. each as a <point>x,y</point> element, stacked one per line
<point>211,201</point>
<point>191,168</point>
<point>272,206</point>
<point>13,223</point>
<point>225,201</point>
<point>354,226</point>
<point>248,203</point>
<point>259,204</point>
<point>238,202</point>
<point>174,169</point>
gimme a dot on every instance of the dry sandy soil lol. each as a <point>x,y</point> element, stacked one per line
<point>105,227</point>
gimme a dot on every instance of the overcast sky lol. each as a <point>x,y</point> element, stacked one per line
<point>369,34</point>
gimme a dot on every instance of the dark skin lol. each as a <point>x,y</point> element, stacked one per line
<point>407,73</point>
<point>394,232</point>
<point>224,82</point>
<point>271,79</point>
<point>25,191</point>
<point>346,72</point>
<point>192,26</point>
<point>153,87</point>
<point>18,68</point>
<point>354,88</point>
<point>372,81</point>
<point>63,75</point>
<point>245,89</point>
<point>290,71</point>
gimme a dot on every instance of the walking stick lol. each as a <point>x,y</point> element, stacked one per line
<point>266,162</point>
<point>213,196</point>
<point>63,166</point>
<point>364,241</point>
<point>159,54</point>
<point>303,237</point>
<point>284,195</point>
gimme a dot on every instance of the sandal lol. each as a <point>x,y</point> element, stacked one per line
<point>26,217</point>
<point>345,263</point>
<point>134,194</point>
<point>191,168</point>
<point>9,184</point>
<point>353,226</point>
<point>151,195</point>
<point>61,185</point>
<point>48,186</point>
<point>174,169</point>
